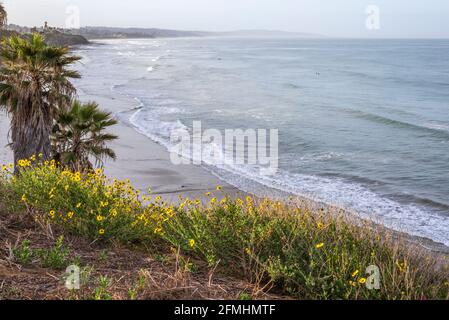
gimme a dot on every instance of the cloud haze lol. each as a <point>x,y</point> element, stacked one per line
<point>398,18</point>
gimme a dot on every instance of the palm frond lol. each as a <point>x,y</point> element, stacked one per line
<point>79,131</point>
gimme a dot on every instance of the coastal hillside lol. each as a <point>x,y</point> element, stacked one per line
<point>52,36</point>
<point>55,39</point>
<point>63,39</point>
<point>108,32</point>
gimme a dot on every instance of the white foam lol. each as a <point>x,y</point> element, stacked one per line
<point>363,202</point>
<point>437,126</point>
<point>411,219</point>
<point>126,53</point>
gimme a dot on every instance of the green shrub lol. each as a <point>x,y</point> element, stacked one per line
<point>23,253</point>
<point>312,255</point>
<point>300,250</point>
<point>82,203</point>
<point>55,257</point>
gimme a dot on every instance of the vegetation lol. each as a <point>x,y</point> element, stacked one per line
<point>34,86</point>
<point>287,248</point>
<point>56,257</point>
<point>79,133</point>
<point>3,16</point>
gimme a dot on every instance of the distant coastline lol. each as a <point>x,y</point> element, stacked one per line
<point>127,33</point>
<point>61,36</point>
<point>52,38</point>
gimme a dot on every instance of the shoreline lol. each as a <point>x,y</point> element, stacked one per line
<point>172,181</point>
<point>147,165</point>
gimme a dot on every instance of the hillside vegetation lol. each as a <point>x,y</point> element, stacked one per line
<point>281,248</point>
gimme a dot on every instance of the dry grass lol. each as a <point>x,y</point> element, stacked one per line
<point>130,273</point>
<point>296,249</point>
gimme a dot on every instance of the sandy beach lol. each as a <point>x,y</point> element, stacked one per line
<point>148,165</point>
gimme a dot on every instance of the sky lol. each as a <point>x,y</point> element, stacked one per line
<point>337,18</point>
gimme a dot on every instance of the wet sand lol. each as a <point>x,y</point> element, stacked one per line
<point>148,165</point>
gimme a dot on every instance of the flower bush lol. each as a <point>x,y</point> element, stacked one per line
<point>301,250</point>
<point>83,203</point>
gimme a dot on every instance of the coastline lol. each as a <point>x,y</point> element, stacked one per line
<point>141,160</point>
<point>147,165</point>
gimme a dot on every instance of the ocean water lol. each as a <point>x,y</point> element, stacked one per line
<point>363,124</point>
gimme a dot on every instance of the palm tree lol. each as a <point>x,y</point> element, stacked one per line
<point>3,16</point>
<point>79,134</point>
<point>34,86</point>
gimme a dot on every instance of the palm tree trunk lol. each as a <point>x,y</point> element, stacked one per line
<point>31,138</point>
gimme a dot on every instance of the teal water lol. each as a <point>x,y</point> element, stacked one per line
<point>363,123</point>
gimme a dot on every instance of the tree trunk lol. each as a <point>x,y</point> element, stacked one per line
<point>30,139</point>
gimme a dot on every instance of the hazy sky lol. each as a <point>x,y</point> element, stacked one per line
<point>398,18</point>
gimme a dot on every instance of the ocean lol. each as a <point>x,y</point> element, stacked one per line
<point>363,124</point>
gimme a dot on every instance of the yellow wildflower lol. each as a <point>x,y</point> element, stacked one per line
<point>78,205</point>
<point>355,273</point>
<point>213,200</point>
<point>24,198</point>
<point>320,226</point>
<point>207,194</point>
<point>158,230</point>
<point>362,280</point>
<point>23,163</point>
<point>99,218</point>
<point>99,171</point>
<point>101,231</point>
<point>219,188</point>
<point>70,214</point>
<point>192,243</point>
<point>52,213</point>
<point>319,245</point>
<point>401,266</point>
